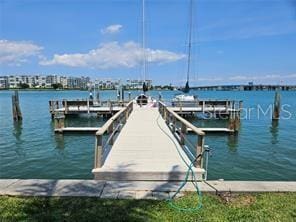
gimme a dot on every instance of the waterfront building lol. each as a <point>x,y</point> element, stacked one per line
<point>107,83</point>
<point>41,81</point>
<point>4,82</point>
<point>137,84</point>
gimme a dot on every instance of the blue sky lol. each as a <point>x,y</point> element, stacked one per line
<point>234,41</point>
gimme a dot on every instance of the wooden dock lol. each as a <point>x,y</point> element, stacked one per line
<point>145,149</point>
<point>147,143</point>
<point>71,107</point>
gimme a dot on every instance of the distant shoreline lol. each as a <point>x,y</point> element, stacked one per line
<point>173,88</point>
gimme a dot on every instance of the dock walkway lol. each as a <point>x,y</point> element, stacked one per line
<point>132,189</point>
<point>145,149</point>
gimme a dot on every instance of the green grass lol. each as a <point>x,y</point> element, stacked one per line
<point>244,207</point>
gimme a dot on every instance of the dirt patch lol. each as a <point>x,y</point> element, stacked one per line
<point>237,199</point>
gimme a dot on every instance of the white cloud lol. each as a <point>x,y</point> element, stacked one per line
<point>111,29</point>
<point>114,55</point>
<point>17,52</point>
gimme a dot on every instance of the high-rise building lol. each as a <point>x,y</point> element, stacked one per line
<point>4,82</point>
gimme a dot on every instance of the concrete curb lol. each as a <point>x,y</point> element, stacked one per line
<point>132,189</point>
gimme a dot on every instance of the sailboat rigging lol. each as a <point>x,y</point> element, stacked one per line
<point>143,99</point>
<point>186,89</point>
<point>145,87</point>
<point>185,99</point>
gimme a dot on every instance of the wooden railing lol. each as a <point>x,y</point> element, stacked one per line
<point>111,127</point>
<point>179,127</point>
<point>229,105</point>
<point>66,104</point>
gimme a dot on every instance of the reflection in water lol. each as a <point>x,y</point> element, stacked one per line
<point>233,142</point>
<point>274,129</point>
<point>17,133</point>
<point>17,130</point>
<point>59,139</point>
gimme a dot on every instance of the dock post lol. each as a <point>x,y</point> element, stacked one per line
<point>66,106</point>
<point>98,97</point>
<point>234,116</point>
<point>159,96</point>
<point>129,96</point>
<point>110,131</point>
<point>59,121</point>
<point>174,124</point>
<point>51,108</point>
<point>203,106</point>
<point>183,133</point>
<point>199,150</point>
<point>16,110</point>
<point>276,106</point>
<point>238,116</point>
<point>127,113</point>
<point>237,121</point>
<point>88,106</point>
<point>165,115</point>
<point>110,106</point>
<point>231,117</point>
<point>98,151</point>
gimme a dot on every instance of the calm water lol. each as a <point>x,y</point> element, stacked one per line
<point>261,151</point>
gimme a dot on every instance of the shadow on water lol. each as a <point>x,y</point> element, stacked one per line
<point>17,131</point>
<point>274,130</point>
<point>233,140</point>
<point>60,141</point>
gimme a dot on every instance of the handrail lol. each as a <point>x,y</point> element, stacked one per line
<point>171,119</point>
<point>188,124</point>
<point>112,126</point>
<point>105,127</point>
<point>184,121</point>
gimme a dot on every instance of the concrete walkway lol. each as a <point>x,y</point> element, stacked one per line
<point>133,190</point>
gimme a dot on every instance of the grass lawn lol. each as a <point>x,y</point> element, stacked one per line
<point>243,207</point>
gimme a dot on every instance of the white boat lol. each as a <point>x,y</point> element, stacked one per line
<point>185,100</point>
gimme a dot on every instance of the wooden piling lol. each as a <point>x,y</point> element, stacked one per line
<point>234,116</point>
<point>88,106</point>
<point>110,131</point>
<point>200,150</point>
<point>98,151</point>
<point>276,106</point>
<point>66,106</point>
<point>183,133</point>
<point>16,110</point>
<point>59,121</point>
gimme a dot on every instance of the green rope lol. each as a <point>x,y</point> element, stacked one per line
<point>190,170</point>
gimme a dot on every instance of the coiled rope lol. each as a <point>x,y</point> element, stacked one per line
<point>171,201</point>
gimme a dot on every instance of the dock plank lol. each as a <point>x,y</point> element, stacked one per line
<point>77,129</point>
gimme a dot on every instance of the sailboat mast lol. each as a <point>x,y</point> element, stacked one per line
<point>189,39</point>
<point>143,41</point>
